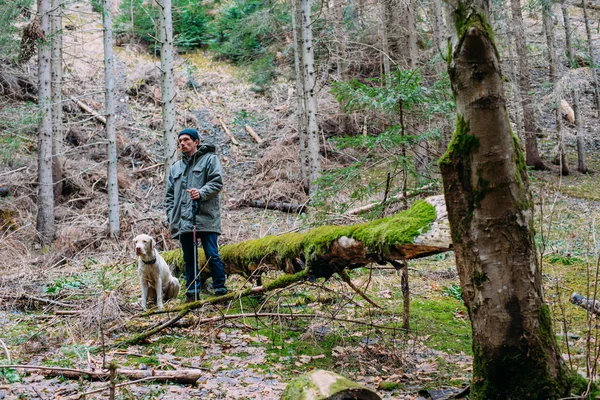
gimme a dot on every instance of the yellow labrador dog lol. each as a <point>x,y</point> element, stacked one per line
<point>155,275</point>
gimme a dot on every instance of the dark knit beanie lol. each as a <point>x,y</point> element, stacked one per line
<point>191,133</point>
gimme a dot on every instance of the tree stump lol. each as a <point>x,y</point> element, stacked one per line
<point>326,385</point>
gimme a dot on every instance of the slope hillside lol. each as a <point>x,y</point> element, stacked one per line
<point>64,305</point>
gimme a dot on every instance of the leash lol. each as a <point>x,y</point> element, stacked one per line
<point>196,271</point>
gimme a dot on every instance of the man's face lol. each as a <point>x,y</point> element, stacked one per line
<point>187,145</point>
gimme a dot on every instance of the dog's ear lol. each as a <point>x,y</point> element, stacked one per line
<point>153,243</point>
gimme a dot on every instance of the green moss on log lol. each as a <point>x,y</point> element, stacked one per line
<point>378,235</point>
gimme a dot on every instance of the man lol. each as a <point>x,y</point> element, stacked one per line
<point>194,184</point>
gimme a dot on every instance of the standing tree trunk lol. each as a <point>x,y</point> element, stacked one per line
<point>581,165</point>
<point>310,97</point>
<point>111,136</point>
<point>57,126</point>
<point>568,34</point>
<point>560,157</point>
<point>515,354</point>
<point>45,201</point>
<point>384,21</point>
<point>167,83</point>
<point>300,111</point>
<point>591,56</point>
<point>532,155</point>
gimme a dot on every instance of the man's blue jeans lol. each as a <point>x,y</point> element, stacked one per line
<point>211,250</point>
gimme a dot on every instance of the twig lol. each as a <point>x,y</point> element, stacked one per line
<point>89,110</point>
<point>6,351</point>
<point>227,131</point>
<point>38,299</point>
<point>344,275</point>
<point>13,171</point>
<point>102,389</point>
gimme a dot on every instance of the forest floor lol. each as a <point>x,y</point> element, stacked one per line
<point>64,305</point>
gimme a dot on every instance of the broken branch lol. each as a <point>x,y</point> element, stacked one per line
<point>253,134</point>
<point>226,129</point>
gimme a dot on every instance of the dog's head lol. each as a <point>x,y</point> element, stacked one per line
<point>144,245</point>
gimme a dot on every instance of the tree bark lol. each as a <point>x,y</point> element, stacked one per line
<point>532,155</point>
<point>45,201</point>
<point>57,126</point>
<point>312,132</point>
<point>300,93</point>
<point>111,135</point>
<point>515,354</point>
<point>167,83</point>
<point>591,55</point>
<point>581,164</point>
<point>560,157</point>
<point>568,34</point>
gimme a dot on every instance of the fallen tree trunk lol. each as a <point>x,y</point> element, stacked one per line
<point>591,305</point>
<point>417,232</point>
<point>326,385</point>
<point>184,376</point>
<point>273,205</point>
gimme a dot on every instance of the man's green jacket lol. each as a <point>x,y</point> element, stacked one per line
<point>201,171</point>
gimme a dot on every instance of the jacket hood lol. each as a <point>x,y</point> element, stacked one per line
<point>202,149</point>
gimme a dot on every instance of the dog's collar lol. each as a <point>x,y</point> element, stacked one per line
<point>150,261</point>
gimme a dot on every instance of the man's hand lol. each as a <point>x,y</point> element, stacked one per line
<point>194,194</point>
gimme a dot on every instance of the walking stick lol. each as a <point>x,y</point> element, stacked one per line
<point>196,272</point>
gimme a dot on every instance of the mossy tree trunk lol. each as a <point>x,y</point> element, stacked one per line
<point>490,213</point>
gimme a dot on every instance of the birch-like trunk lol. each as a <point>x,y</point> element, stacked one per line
<point>591,56</point>
<point>490,209</point>
<point>111,135</point>
<point>532,155</point>
<point>560,157</point>
<point>312,131</point>
<point>581,164</point>
<point>45,200</point>
<point>57,125</point>
<point>168,83</point>
<point>385,47</point>
<point>568,34</point>
<point>300,94</point>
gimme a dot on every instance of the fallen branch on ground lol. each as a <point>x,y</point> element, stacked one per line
<point>589,304</point>
<point>89,110</point>
<point>187,376</point>
<point>393,199</point>
<point>273,205</point>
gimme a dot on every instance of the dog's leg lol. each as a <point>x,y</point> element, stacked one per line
<point>172,289</point>
<point>144,292</point>
<point>159,292</point>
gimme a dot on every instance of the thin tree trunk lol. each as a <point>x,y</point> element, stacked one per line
<point>314,161</point>
<point>532,155</point>
<point>438,27</point>
<point>300,111</point>
<point>341,39</point>
<point>568,34</point>
<point>581,165</point>
<point>515,354</point>
<point>45,201</point>
<point>167,83</point>
<point>550,39</point>
<point>591,55</point>
<point>385,48</point>
<point>111,136</point>
<point>57,126</point>
<point>560,157</point>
